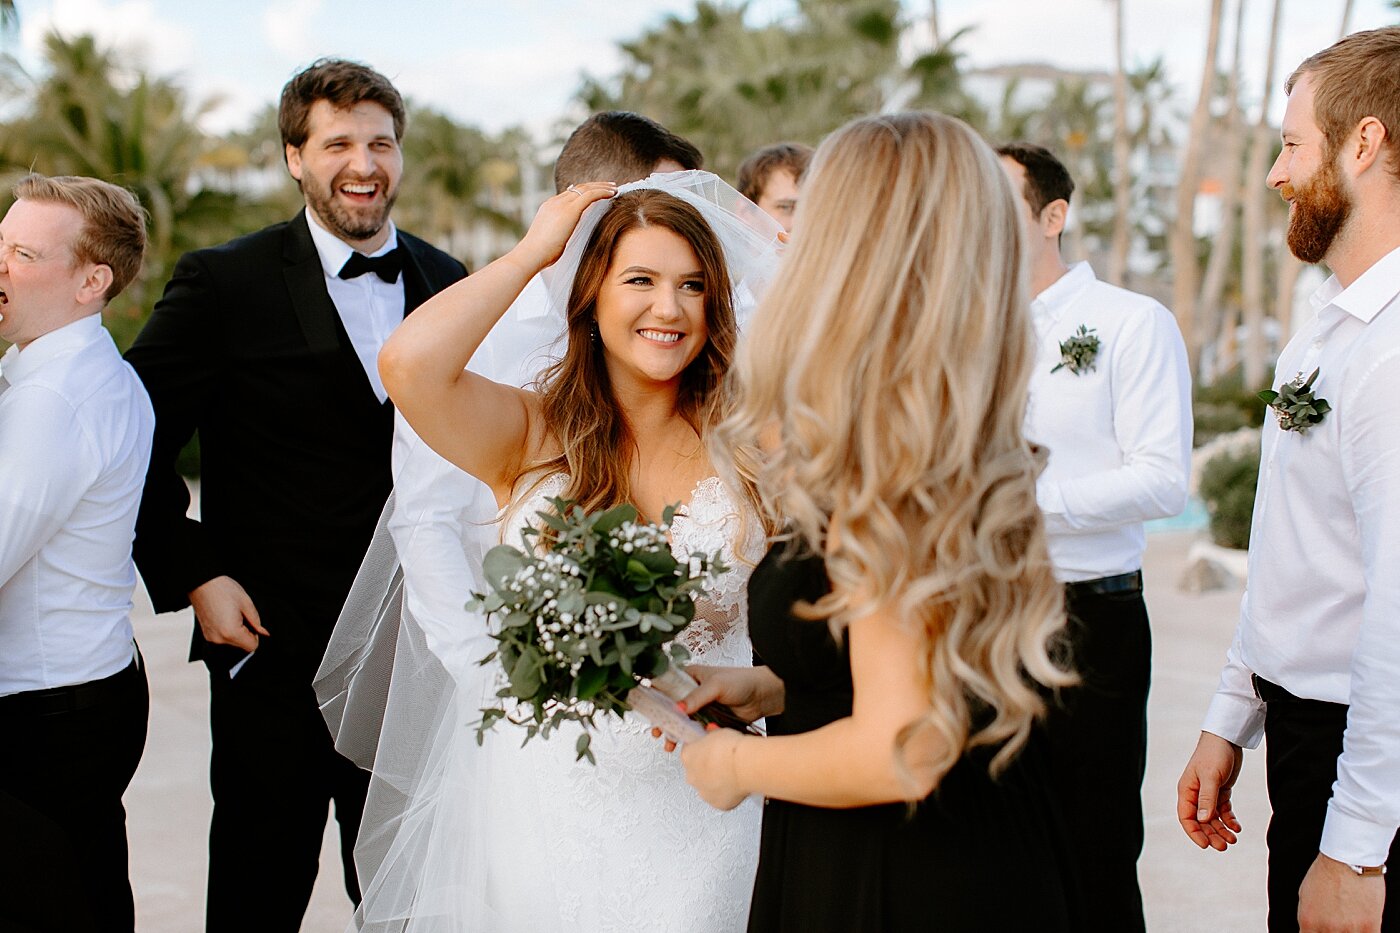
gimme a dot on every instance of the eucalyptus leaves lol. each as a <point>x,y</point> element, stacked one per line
<point>581,624</point>
<point>1295,405</point>
<point>1079,352</point>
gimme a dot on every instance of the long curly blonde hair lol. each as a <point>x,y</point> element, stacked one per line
<point>884,381</point>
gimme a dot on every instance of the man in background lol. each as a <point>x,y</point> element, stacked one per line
<point>267,347</point>
<point>1315,664</point>
<point>770,178</point>
<point>1110,397</point>
<point>75,438</point>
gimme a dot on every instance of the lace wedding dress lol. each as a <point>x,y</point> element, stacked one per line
<point>627,844</point>
<point>461,837</point>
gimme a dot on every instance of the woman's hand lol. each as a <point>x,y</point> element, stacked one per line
<point>556,221</point>
<point>710,767</point>
<point>751,692</point>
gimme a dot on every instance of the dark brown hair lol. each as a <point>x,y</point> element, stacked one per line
<point>620,146</point>
<point>754,172</point>
<point>340,83</point>
<point>114,222</point>
<point>1352,79</point>
<point>1047,179</point>
<point>576,395</point>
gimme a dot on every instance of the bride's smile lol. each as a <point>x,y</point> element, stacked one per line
<point>651,306</point>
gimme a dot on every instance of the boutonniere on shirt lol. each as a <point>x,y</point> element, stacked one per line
<point>1295,405</point>
<point>1079,351</point>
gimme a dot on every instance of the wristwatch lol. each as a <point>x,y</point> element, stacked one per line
<point>1368,871</point>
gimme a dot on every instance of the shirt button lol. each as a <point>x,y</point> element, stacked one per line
<point>1317,344</point>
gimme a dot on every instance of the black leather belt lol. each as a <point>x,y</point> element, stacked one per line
<point>1107,586</point>
<point>75,697</point>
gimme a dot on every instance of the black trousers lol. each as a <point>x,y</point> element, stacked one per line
<point>66,757</point>
<point>273,774</point>
<point>1303,739</point>
<point>1098,735</point>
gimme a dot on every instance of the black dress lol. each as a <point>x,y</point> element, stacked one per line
<point>977,854</point>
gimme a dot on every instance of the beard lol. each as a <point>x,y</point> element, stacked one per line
<point>1321,208</point>
<point>349,221</point>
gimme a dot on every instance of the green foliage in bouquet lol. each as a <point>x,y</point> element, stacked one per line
<point>582,617</point>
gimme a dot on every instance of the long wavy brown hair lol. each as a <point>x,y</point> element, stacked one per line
<point>886,376</point>
<point>580,409</point>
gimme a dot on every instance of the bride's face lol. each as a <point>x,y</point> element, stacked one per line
<point>651,306</point>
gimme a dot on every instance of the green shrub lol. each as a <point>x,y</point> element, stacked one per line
<point>1226,405</point>
<point>1227,487</point>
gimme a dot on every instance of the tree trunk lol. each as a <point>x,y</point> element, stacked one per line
<point>1213,322</point>
<point>1346,16</point>
<point>1122,172</point>
<point>1255,351</point>
<point>1183,238</point>
<point>933,23</point>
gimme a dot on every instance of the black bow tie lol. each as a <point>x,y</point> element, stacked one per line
<point>387,267</point>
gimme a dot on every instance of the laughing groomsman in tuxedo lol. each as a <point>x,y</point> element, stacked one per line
<point>1314,668</point>
<point>1110,398</point>
<point>266,346</point>
<point>75,438</point>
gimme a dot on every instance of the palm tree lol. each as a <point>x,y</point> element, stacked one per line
<point>1122,152</point>
<point>729,85</point>
<point>1183,235</point>
<point>1254,194</point>
<point>1214,320</point>
<point>91,115</point>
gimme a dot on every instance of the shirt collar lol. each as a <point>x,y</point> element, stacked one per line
<point>1363,299</point>
<point>1061,293</point>
<point>17,365</point>
<point>334,251</point>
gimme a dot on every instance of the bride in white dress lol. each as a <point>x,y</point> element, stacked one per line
<point>505,838</point>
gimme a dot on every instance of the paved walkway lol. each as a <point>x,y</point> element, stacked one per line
<point>1185,889</point>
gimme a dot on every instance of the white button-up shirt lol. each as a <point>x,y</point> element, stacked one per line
<point>1119,435</point>
<point>1321,612</point>
<point>369,307</point>
<point>75,441</point>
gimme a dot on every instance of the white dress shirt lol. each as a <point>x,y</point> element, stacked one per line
<point>75,441</point>
<point>369,307</point>
<point>442,514</point>
<point>1321,612</point>
<point>1119,435</point>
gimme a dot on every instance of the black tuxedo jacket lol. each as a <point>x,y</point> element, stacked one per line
<point>246,348</point>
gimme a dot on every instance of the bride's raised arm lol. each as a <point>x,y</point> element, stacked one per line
<point>481,426</point>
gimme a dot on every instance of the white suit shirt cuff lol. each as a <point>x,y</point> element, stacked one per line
<point>1354,840</point>
<point>1235,719</point>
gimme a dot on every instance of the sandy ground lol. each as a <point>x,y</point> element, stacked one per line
<point>1185,889</point>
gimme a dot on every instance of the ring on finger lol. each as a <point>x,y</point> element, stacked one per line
<point>573,189</point>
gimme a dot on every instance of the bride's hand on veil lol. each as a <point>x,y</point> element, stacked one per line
<point>544,242</point>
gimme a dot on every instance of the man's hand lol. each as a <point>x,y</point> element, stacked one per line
<point>1203,793</point>
<point>226,614</point>
<point>1335,899</point>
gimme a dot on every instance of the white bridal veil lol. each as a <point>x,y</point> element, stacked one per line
<point>399,685</point>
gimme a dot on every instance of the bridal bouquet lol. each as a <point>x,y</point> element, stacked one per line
<point>587,625</point>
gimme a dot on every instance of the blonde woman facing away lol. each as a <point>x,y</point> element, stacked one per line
<point>905,622</point>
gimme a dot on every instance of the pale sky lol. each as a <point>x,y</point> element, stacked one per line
<point>495,63</point>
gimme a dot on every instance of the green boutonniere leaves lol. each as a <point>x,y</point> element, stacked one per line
<point>1295,405</point>
<point>1079,352</point>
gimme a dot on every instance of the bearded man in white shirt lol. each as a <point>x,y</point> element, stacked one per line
<point>1110,397</point>
<point>1315,663</point>
<point>75,438</point>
